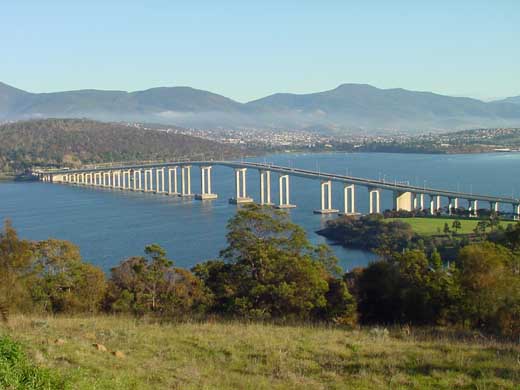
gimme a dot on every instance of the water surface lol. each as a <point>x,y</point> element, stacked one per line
<point>110,225</point>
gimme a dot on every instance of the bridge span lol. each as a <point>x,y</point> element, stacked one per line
<point>163,178</point>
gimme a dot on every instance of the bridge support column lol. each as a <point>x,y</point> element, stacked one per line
<point>438,205</point>
<point>113,176</point>
<point>134,187</point>
<point>159,181</point>
<point>403,201</point>
<point>186,181</point>
<point>326,199</point>
<point>145,188</point>
<point>284,194</point>
<point>374,195</point>
<point>493,206</point>
<point>265,188</point>
<point>205,185</point>
<point>349,199</point>
<point>450,206</point>
<point>174,171</point>
<point>432,205</point>
<point>516,211</point>
<point>117,179</point>
<point>240,188</point>
<point>421,197</point>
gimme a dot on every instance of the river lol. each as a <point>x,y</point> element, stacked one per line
<point>111,225</point>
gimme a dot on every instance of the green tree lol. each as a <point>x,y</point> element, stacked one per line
<point>406,288</point>
<point>153,285</point>
<point>270,270</point>
<point>488,282</point>
<point>65,283</point>
<point>16,259</point>
<point>446,228</point>
<point>456,225</point>
<point>481,227</point>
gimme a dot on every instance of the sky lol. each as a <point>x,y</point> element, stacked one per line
<point>249,49</point>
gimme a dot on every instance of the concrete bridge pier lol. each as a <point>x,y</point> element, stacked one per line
<point>432,205</point>
<point>186,181</point>
<point>374,196</point>
<point>115,181</point>
<point>493,206</point>
<point>143,181</point>
<point>326,199</point>
<point>403,200</point>
<point>415,202</point>
<point>349,199</point>
<point>159,181</point>
<point>172,189</point>
<point>516,211</point>
<point>205,184</point>
<point>473,207</point>
<point>283,187</point>
<point>137,173</point>
<point>240,187</point>
<point>421,197</point>
<point>265,188</point>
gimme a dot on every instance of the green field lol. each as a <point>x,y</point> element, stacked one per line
<point>431,226</point>
<point>232,355</point>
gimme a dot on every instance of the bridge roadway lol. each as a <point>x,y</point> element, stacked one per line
<point>373,186</point>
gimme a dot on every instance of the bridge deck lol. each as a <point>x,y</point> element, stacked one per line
<point>309,174</point>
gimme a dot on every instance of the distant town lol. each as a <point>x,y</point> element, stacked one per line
<point>466,141</point>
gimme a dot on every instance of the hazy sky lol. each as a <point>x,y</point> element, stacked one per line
<point>246,51</point>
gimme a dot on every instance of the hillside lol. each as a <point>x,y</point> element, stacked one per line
<point>512,99</point>
<point>234,355</point>
<point>72,142</point>
<point>347,108</point>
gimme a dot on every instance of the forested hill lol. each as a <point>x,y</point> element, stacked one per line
<point>72,142</point>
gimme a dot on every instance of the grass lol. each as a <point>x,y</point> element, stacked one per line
<point>435,225</point>
<point>232,355</point>
<point>17,372</point>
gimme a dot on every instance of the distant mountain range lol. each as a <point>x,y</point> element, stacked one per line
<point>513,99</point>
<point>347,108</point>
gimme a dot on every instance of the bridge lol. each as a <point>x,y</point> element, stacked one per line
<point>163,178</point>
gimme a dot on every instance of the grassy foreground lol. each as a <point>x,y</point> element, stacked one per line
<point>215,355</point>
<point>432,226</point>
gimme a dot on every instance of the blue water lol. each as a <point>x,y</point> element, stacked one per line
<point>111,225</point>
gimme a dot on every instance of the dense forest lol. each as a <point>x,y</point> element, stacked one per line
<point>72,142</point>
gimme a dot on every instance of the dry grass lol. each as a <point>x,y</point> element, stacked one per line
<point>217,355</point>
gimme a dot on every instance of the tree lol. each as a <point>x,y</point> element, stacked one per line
<point>406,288</point>
<point>155,272</point>
<point>481,227</point>
<point>65,283</point>
<point>16,258</point>
<point>488,282</point>
<point>456,225</point>
<point>446,228</point>
<point>151,284</point>
<point>270,270</point>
